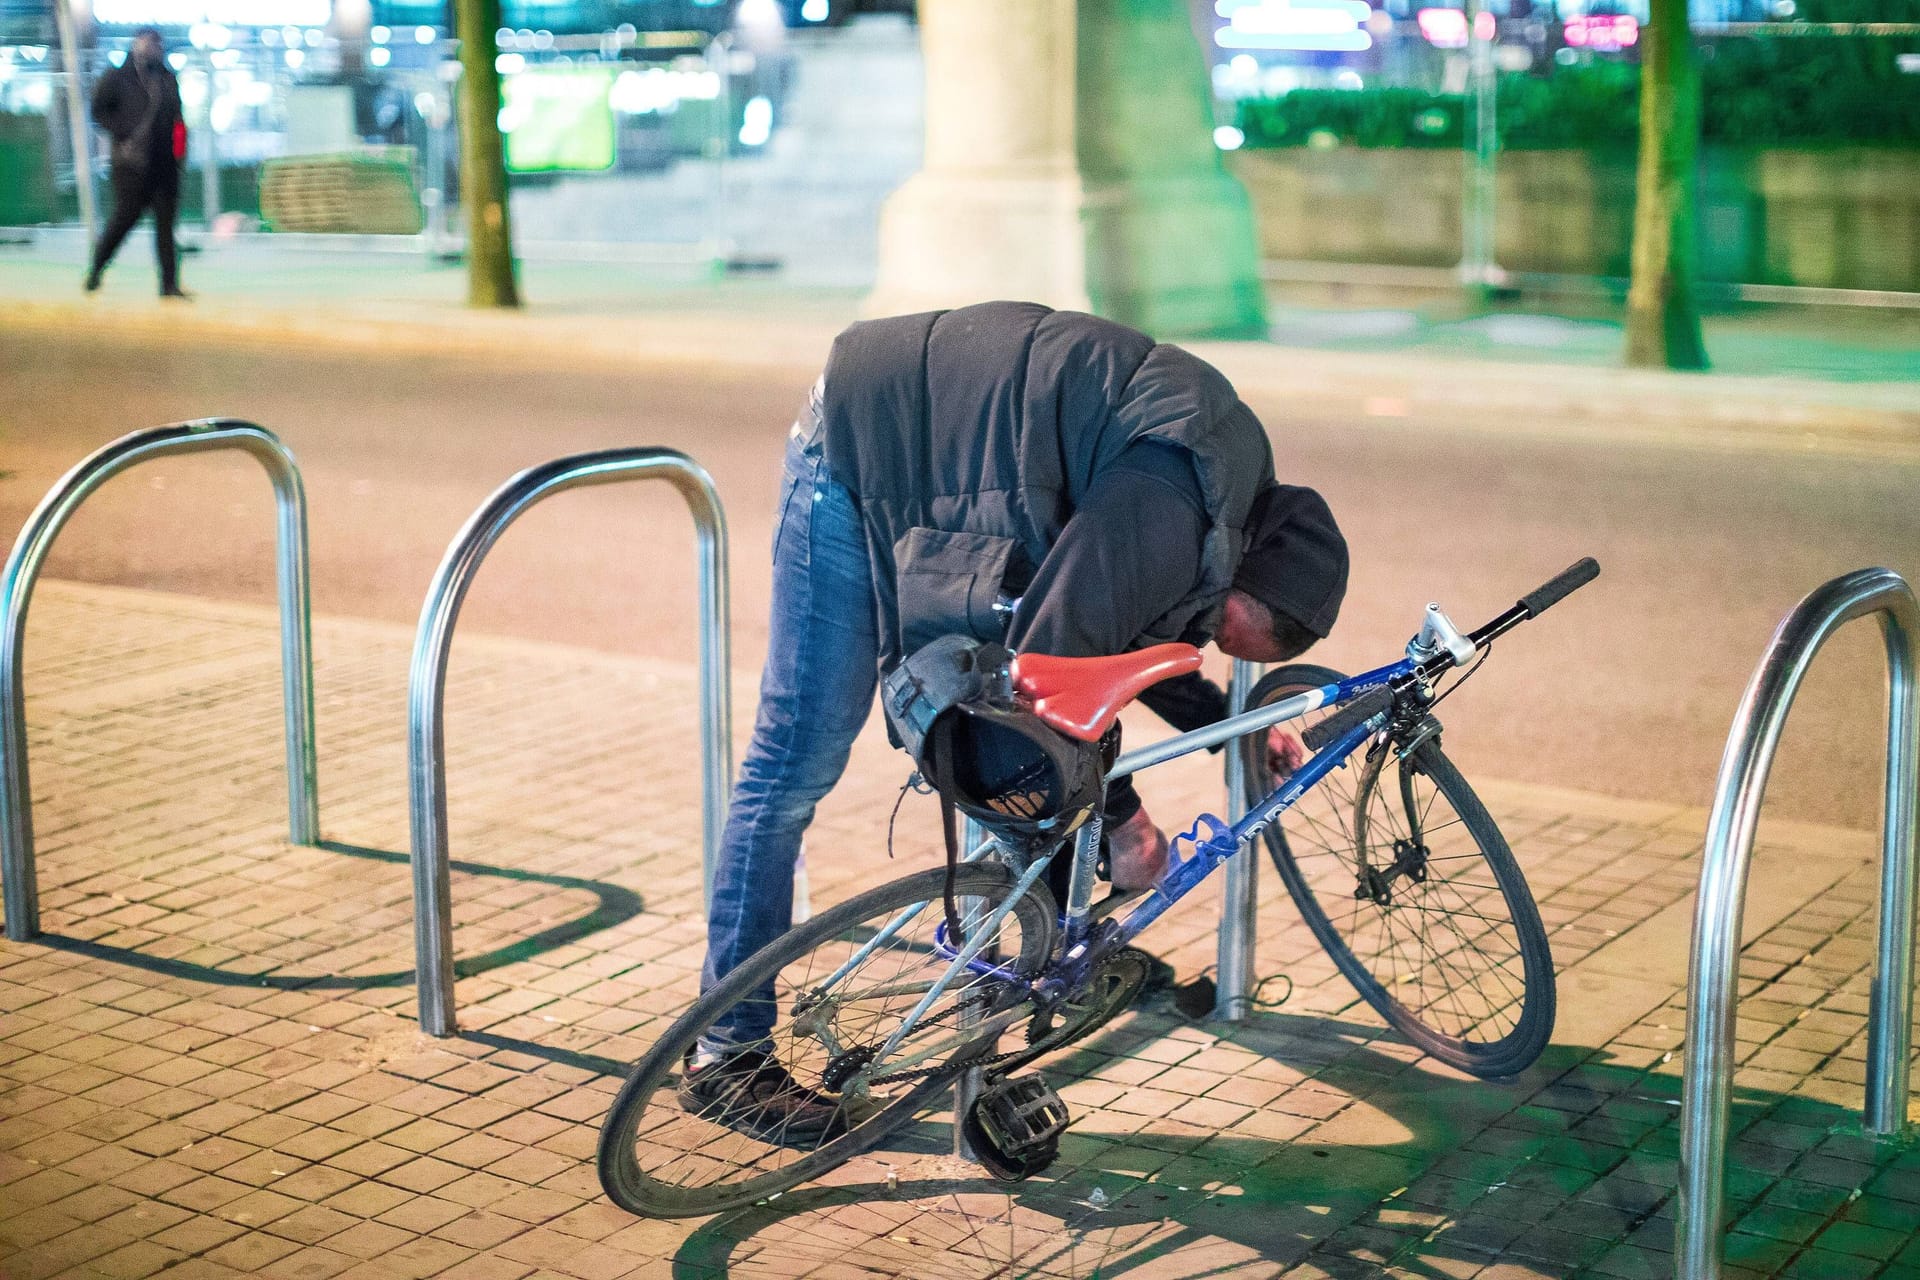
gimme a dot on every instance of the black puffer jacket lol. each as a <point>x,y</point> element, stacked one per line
<point>138,109</point>
<point>969,436</point>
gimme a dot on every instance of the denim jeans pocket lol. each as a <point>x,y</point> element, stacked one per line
<point>804,464</point>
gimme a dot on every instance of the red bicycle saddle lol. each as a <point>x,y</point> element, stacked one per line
<point>1082,697</point>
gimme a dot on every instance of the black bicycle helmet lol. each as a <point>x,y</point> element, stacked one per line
<point>951,704</point>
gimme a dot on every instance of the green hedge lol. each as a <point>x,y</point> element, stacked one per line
<point>1757,92</point>
<point>26,183</point>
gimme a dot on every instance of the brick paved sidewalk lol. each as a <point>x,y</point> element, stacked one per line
<point>210,1066</point>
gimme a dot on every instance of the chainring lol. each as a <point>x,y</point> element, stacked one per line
<point>1114,985</point>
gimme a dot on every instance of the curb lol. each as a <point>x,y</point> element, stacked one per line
<point>1395,391</point>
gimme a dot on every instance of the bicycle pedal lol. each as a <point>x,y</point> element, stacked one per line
<point>1014,1127</point>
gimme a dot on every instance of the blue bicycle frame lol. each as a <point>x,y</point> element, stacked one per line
<point>1211,841</point>
<point>1219,840</point>
<point>1437,647</point>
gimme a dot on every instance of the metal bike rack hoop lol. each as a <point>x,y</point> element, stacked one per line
<point>1240,899</point>
<point>1714,969</point>
<point>427,680</point>
<point>16,592</point>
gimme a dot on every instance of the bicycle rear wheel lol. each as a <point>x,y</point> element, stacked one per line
<point>661,1159</point>
<point>1404,878</point>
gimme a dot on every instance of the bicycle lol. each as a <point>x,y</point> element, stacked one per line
<point>1423,910</point>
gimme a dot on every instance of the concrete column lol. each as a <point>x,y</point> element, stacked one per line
<point>1170,235</point>
<point>995,210</point>
<point>1070,161</point>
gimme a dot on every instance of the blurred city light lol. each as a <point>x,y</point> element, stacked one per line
<point>1443,28</point>
<point>231,13</point>
<point>763,15</point>
<point>756,124</point>
<point>660,89</point>
<point>1316,25</point>
<point>1604,32</point>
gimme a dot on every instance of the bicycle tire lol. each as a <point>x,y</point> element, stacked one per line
<point>697,1146</point>
<point>1490,1021</point>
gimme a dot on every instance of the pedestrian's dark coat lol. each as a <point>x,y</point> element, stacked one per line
<point>970,436</point>
<point>139,109</point>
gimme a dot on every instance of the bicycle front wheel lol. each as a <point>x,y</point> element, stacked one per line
<point>841,984</point>
<point>1404,878</point>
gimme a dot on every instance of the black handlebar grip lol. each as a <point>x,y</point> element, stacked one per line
<point>1577,575</point>
<point>1361,709</point>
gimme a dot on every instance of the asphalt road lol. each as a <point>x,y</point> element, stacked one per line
<point>1627,689</point>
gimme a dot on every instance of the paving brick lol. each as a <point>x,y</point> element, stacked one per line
<point>370,1159</point>
<point>253,1252</point>
<point>342,1143</point>
<point>312,1263</point>
<point>369,1199</point>
<point>312,1224</point>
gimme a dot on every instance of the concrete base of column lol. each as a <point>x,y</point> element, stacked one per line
<point>948,239</point>
<point>1070,161</point>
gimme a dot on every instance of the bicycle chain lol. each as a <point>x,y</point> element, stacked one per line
<point>1029,1051</point>
<point>991,1060</point>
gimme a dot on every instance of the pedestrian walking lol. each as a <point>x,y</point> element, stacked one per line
<point>138,104</point>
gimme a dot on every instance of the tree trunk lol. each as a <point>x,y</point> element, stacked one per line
<point>1663,306</point>
<point>483,165</point>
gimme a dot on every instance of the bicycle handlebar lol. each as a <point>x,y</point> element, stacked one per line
<point>1576,575</point>
<point>1529,606</point>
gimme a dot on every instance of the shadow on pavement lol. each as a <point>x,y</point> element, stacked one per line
<point>615,906</point>
<point>1574,1160</point>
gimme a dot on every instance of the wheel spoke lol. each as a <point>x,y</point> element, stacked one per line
<point>1418,901</point>
<point>764,1128</point>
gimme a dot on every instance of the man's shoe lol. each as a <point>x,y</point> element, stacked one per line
<point>751,1093</point>
<point>93,282</point>
<point>178,293</point>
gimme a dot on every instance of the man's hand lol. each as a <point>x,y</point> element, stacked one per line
<point>1285,752</point>
<point>1136,853</point>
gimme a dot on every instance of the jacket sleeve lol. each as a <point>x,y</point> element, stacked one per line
<point>106,104</point>
<point>1187,702</point>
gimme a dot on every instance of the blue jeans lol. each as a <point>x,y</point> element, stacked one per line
<point>816,691</point>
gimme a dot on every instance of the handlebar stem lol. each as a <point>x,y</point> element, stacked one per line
<point>1438,635</point>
